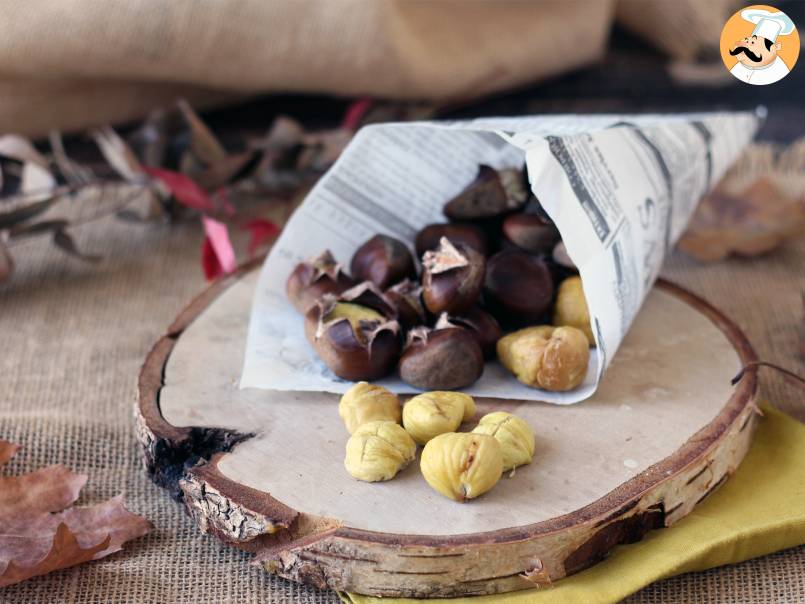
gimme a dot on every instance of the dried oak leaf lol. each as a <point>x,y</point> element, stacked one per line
<point>38,535</point>
<point>753,222</point>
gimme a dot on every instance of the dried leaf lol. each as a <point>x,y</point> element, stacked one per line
<point>118,154</point>
<point>753,222</point>
<point>217,254</point>
<point>23,210</point>
<point>64,552</point>
<point>203,143</point>
<point>21,149</point>
<point>46,490</point>
<point>72,171</point>
<point>65,242</point>
<point>6,268</point>
<point>261,231</point>
<point>36,179</point>
<point>225,170</point>
<point>35,541</point>
<point>7,451</point>
<point>37,228</point>
<point>184,189</point>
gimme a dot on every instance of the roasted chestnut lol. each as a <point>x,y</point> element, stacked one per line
<point>355,334</point>
<point>492,193</point>
<point>441,359</point>
<point>479,323</point>
<point>383,260</point>
<point>531,232</point>
<point>518,288</point>
<point>406,297</point>
<point>315,277</point>
<point>452,277</point>
<point>468,234</point>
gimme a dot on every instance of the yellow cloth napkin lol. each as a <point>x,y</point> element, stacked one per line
<point>759,510</point>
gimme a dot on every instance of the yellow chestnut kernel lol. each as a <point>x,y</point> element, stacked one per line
<point>571,308</point>
<point>515,436</point>
<point>365,402</point>
<point>462,465</point>
<point>378,450</point>
<point>355,314</point>
<point>432,413</point>
<point>547,357</point>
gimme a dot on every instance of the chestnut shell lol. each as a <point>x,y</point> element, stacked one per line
<point>479,323</point>
<point>342,350</point>
<point>442,359</point>
<point>518,288</point>
<point>531,232</point>
<point>468,234</point>
<point>452,289</point>
<point>383,260</point>
<point>492,193</point>
<point>311,279</point>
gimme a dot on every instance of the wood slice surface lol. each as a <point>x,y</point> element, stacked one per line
<point>264,470</point>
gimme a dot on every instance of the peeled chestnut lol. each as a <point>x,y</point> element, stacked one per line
<point>518,288</point>
<point>406,297</point>
<point>315,277</point>
<point>383,260</point>
<point>355,334</point>
<point>452,277</point>
<point>479,323</point>
<point>531,232</point>
<point>441,359</point>
<point>468,234</point>
<point>492,193</point>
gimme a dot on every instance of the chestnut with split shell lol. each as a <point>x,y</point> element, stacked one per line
<point>452,277</point>
<point>356,334</point>
<point>315,277</point>
<point>518,288</point>
<point>406,297</point>
<point>479,323</point>
<point>383,260</point>
<point>441,359</point>
<point>468,234</point>
<point>492,193</point>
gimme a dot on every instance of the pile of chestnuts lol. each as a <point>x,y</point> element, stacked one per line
<point>496,266</point>
<point>459,465</point>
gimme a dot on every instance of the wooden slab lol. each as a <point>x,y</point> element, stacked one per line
<point>664,430</point>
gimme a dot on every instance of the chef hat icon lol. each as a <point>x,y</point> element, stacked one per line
<point>768,25</point>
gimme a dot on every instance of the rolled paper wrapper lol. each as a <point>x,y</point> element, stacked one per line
<point>620,189</point>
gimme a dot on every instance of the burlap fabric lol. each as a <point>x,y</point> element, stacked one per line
<point>69,64</point>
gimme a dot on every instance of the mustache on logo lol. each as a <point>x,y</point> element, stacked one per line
<point>743,49</point>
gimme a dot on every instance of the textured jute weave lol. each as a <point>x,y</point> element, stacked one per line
<point>72,338</point>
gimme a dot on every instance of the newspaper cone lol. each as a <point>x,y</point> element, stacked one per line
<point>620,188</point>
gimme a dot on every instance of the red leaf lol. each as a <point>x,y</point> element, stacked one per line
<point>261,231</point>
<point>217,255</point>
<point>209,261</point>
<point>184,189</point>
<point>355,113</point>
